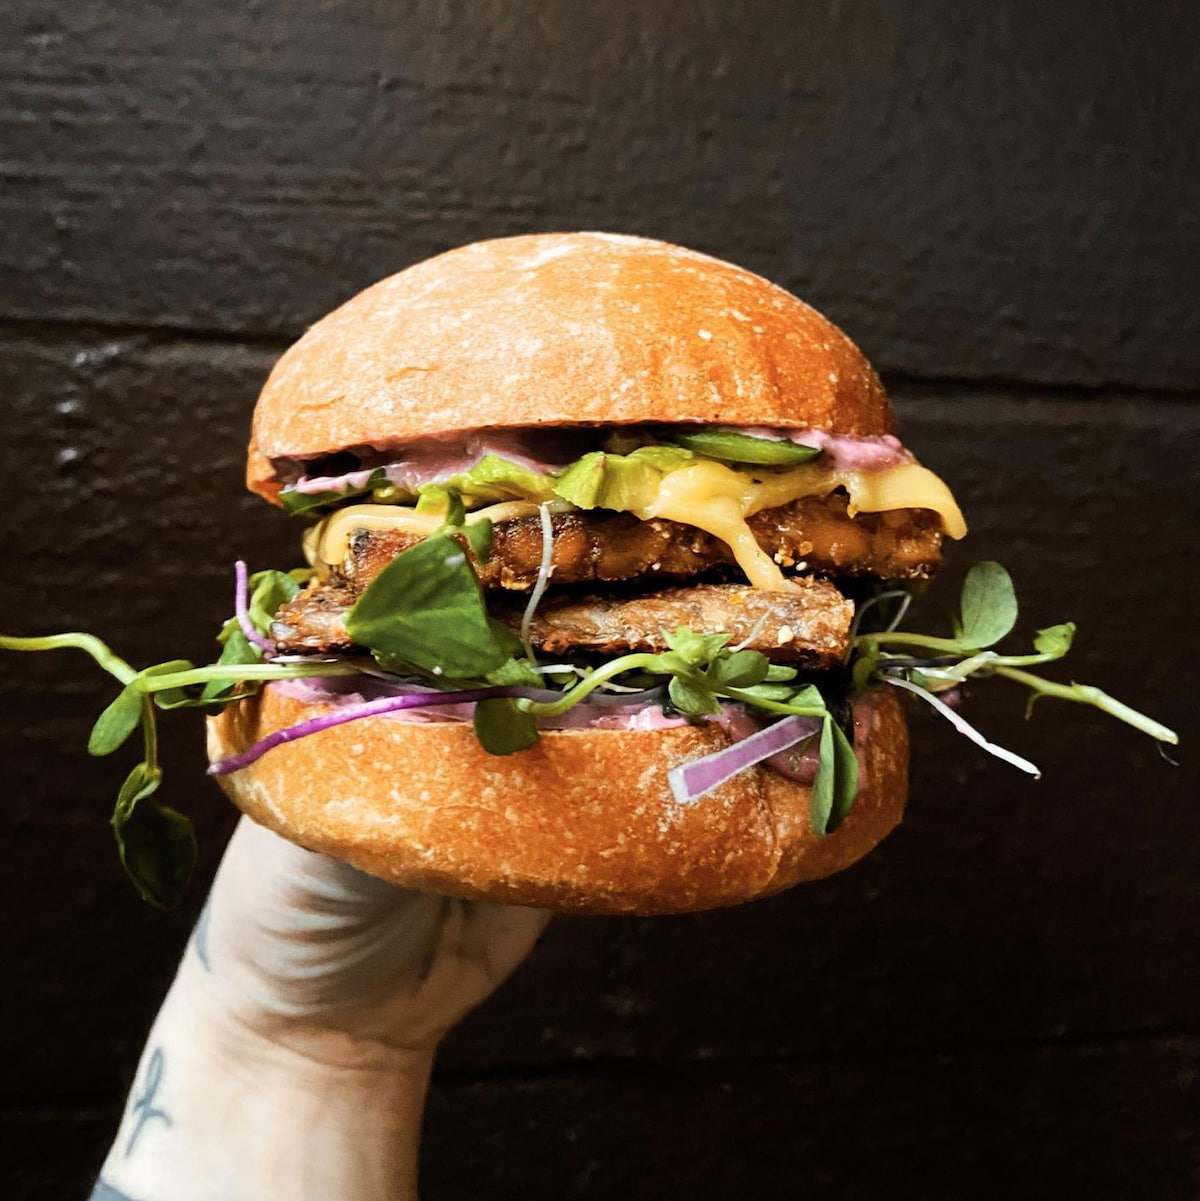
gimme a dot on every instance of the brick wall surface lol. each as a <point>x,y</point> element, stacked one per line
<point>998,201</point>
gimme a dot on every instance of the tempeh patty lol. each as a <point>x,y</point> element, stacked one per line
<point>808,625</point>
<point>810,534</point>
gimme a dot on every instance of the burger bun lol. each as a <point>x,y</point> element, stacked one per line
<point>582,822</point>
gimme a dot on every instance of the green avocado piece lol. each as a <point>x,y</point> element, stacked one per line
<point>622,482</point>
<point>489,481</point>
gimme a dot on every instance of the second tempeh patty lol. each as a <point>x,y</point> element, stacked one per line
<point>808,627</point>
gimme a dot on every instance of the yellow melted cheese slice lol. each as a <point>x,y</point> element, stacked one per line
<point>705,494</point>
<point>718,500</point>
<point>330,540</point>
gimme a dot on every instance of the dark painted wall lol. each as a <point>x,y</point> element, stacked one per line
<point>999,203</point>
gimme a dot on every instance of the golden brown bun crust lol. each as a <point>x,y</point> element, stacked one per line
<point>584,822</point>
<point>560,329</point>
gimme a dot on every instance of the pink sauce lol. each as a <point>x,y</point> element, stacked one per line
<point>798,764</point>
<point>617,717</point>
<point>432,460</point>
<point>843,452</point>
<point>353,690</point>
<point>352,480</point>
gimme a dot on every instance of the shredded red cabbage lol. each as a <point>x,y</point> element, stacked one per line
<point>338,717</point>
<point>392,702</point>
<point>340,690</point>
<point>357,697</point>
<point>241,609</point>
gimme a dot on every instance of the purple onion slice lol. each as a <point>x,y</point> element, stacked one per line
<point>690,781</point>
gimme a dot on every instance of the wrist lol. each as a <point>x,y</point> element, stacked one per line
<point>222,1107</point>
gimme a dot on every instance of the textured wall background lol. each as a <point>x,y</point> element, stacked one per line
<point>998,201</point>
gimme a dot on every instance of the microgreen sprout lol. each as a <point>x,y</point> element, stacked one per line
<point>430,637</point>
<point>987,614</point>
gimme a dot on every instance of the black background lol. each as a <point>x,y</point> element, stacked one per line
<point>998,201</point>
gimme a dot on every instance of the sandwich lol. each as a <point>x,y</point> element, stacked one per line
<point>608,545</point>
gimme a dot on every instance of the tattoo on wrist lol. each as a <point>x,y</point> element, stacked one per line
<point>200,935</point>
<point>142,1110</point>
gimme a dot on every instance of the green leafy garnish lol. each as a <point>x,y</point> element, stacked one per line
<point>515,671</point>
<point>117,722</point>
<point>987,613</point>
<point>156,843</point>
<point>1054,641</point>
<point>845,776</point>
<point>236,651</point>
<point>425,614</point>
<point>426,608</point>
<point>269,591</point>
<point>122,717</point>
<point>692,697</point>
<point>693,650</point>
<point>988,608</point>
<point>823,786</point>
<point>739,669</point>
<point>502,728</point>
<point>701,672</point>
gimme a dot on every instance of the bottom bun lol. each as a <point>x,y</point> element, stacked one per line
<point>583,822</point>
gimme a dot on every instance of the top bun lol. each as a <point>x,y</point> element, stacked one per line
<point>560,329</point>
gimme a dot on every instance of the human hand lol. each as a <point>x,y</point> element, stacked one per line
<point>292,1055</point>
<point>314,953</point>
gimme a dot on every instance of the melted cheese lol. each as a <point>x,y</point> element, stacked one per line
<point>705,494</point>
<point>331,539</point>
<point>909,486</point>
<point>718,500</point>
<point>715,499</point>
